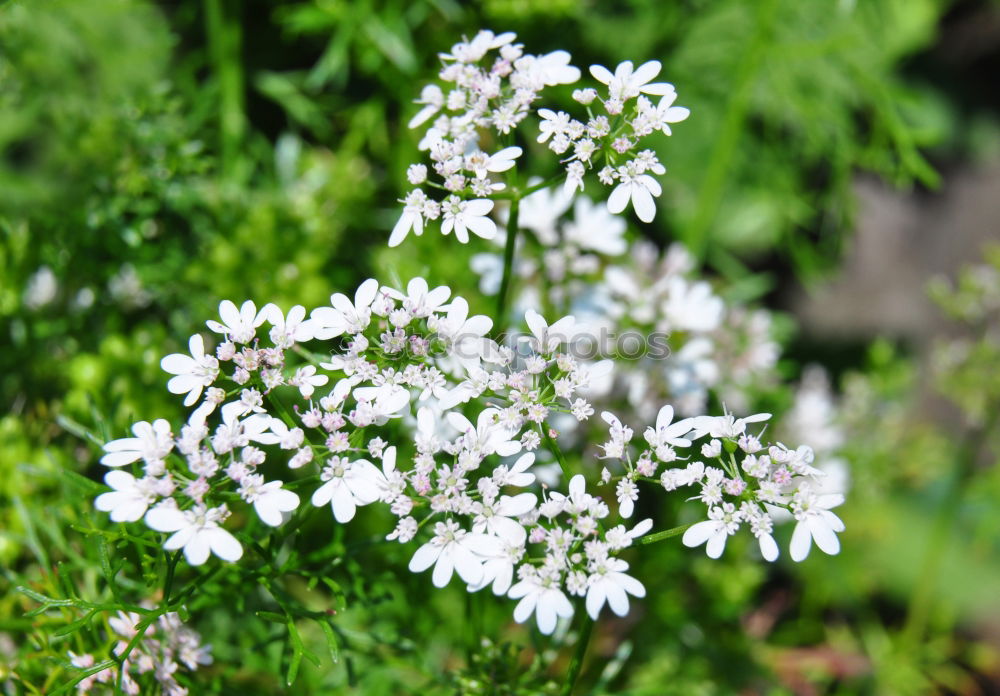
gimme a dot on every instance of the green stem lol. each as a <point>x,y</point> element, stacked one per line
<point>553,446</point>
<point>222,26</point>
<point>727,142</point>
<point>508,264</point>
<point>921,600</point>
<point>576,664</point>
<point>665,534</point>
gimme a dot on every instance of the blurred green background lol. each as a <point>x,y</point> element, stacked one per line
<point>156,158</point>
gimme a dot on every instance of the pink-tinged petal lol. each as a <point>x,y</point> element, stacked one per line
<point>444,567</point>
<point>196,550</point>
<point>178,364</point>
<point>824,537</point>
<point>366,293</point>
<point>653,186</point>
<point>341,303</point>
<point>545,613</point>
<point>698,533</point>
<point>596,596</point>
<point>642,201</point>
<point>646,72</point>
<point>517,505</point>
<point>524,608</point>
<point>676,114</point>
<point>216,326</point>
<point>664,417</point>
<point>230,315</point>
<point>223,544</point>
<point>768,547</point>
<point>830,500</point>
<point>120,480</point>
<point>267,512</point>
<point>600,73</point>
<point>322,495</point>
<point>619,198</point>
<point>343,504</point>
<point>165,519</point>
<point>478,207</point>
<point>801,541</point>
<point>617,599</point>
<point>537,324</point>
<point>482,227</point>
<point>641,528</point>
<point>834,522</point>
<point>129,510</point>
<point>716,544</point>
<point>508,448</point>
<point>424,558</point>
<point>508,530</point>
<point>631,585</point>
<point>657,89</point>
<point>180,539</point>
<point>624,71</point>
<point>402,228</point>
<point>467,564</point>
<point>626,507</point>
<point>119,458</point>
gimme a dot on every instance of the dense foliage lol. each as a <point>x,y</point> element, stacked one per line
<point>155,160</point>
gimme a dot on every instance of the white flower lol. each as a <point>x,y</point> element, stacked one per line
<point>666,113</point>
<point>454,549</point>
<point>496,517</point>
<point>627,493</point>
<point>498,162</point>
<point>593,227</point>
<point>549,338</point>
<point>197,531</point>
<point>667,434</point>
<point>553,123</point>
<point>151,443</point>
<point>348,485</point>
<point>723,521</point>
<point>541,210</point>
<point>378,404</point>
<point>463,216</point>
<point>412,218</point>
<point>725,426</point>
<point>499,571</point>
<point>345,316</point>
<point>432,98</point>
<point>419,300</point>
<point>610,583</point>
<point>542,597</point>
<point>627,83</point>
<point>488,436</point>
<point>193,372</point>
<point>638,189</point>
<point>129,499</point>
<point>288,330</point>
<point>815,523</point>
<point>240,325</point>
<point>465,335</point>
<point>269,499</point>
<point>306,379</point>
<point>692,306</point>
<point>518,474</point>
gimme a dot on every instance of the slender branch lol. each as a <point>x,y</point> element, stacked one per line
<point>665,534</point>
<point>508,264</point>
<point>553,446</point>
<point>576,663</point>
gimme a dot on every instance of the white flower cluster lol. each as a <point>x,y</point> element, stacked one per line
<point>489,85</point>
<point>166,647</point>
<point>612,139</point>
<point>766,480</point>
<point>392,429</point>
<point>579,266</point>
